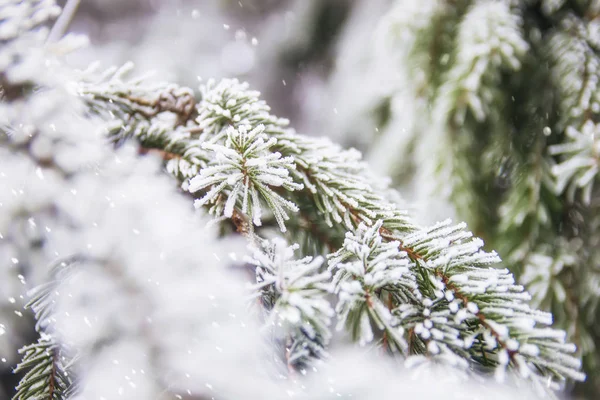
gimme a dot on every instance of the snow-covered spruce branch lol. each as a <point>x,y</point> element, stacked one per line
<point>293,294</point>
<point>247,169</point>
<point>576,69</point>
<point>580,166</point>
<point>46,376</point>
<point>514,114</point>
<point>48,366</point>
<point>429,291</point>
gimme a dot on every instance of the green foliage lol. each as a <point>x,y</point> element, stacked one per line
<point>46,376</point>
<point>513,115</point>
<point>294,296</point>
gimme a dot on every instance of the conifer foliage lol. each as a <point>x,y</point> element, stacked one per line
<point>426,295</point>
<point>508,98</point>
<point>46,376</point>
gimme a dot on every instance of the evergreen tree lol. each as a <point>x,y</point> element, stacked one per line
<point>506,98</point>
<point>139,300</point>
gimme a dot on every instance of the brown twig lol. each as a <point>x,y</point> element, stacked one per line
<point>240,221</point>
<point>51,383</point>
<point>388,235</point>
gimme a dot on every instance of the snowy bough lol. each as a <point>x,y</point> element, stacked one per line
<point>135,296</point>
<point>506,93</point>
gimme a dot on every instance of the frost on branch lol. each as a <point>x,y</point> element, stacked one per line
<point>294,296</point>
<point>542,273</point>
<point>579,168</point>
<point>230,102</point>
<point>490,41</point>
<point>46,376</point>
<point>489,44</point>
<point>514,107</point>
<point>444,299</point>
<point>491,309</point>
<point>572,51</point>
<point>48,365</point>
<point>364,268</point>
<point>248,171</point>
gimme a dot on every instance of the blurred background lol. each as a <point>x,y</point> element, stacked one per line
<point>290,50</point>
